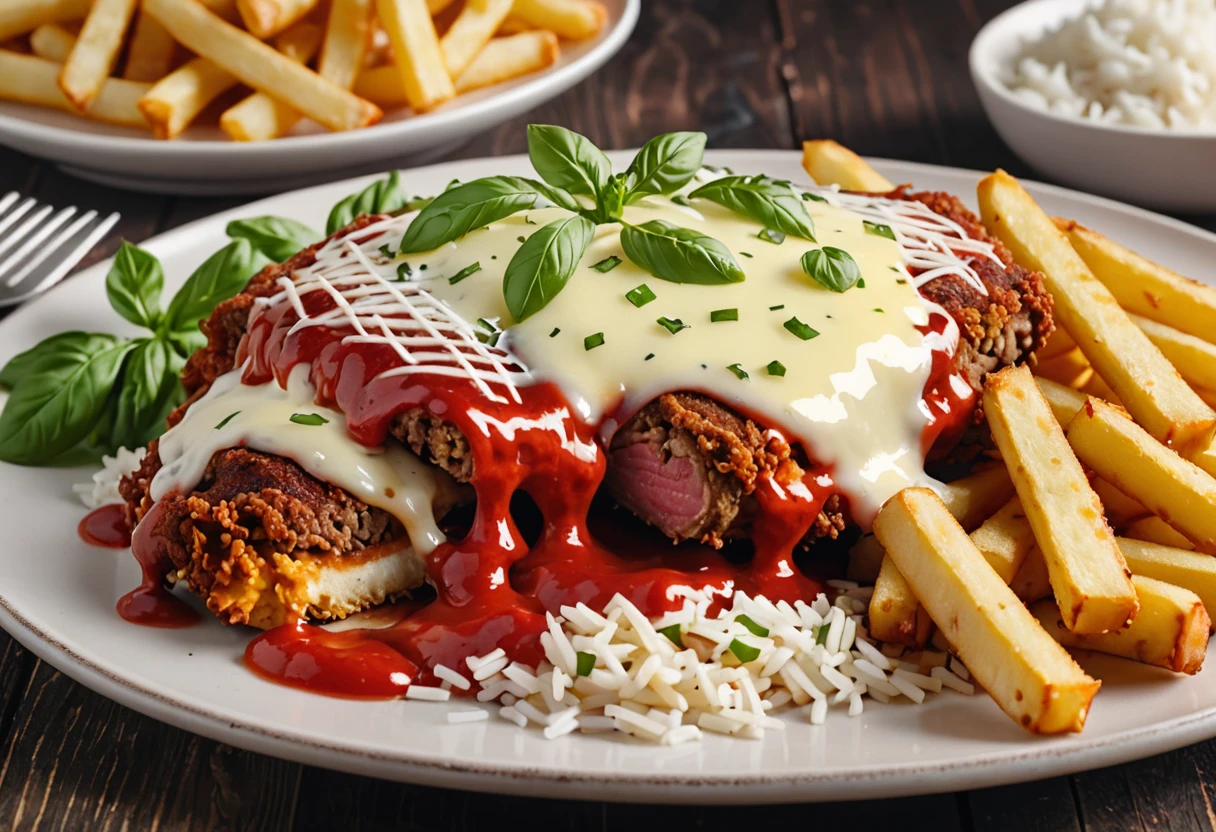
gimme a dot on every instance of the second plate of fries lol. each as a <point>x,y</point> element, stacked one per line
<point>247,96</point>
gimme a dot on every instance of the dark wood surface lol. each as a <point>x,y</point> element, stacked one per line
<point>886,77</point>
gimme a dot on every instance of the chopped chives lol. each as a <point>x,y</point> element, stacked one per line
<point>554,332</point>
<point>387,251</point>
<point>227,419</point>
<point>521,238</point>
<point>901,281</point>
<point>776,368</point>
<point>488,325</point>
<point>816,197</point>
<point>404,271</point>
<point>422,268</point>
<point>861,283</point>
<point>607,264</point>
<point>746,253</point>
<point>673,635</point>
<point>775,308</point>
<point>723,315</point>
<point>771,236</point>
<point>821,637</point>
<point>739,372</point>
<point>649,356</point>
<point>752,626</point>
<point>311,419</point>
<point>639,296</point>
<point>672,325</point>
<point>593,341</point>
<point>878,309</point>
<point>465,272</point>
<point>879,229</point>
<point>585,663</point>
<point>528,221</point>
<point>800,329</point>
<point>744,652</point>
<point>894,269</point>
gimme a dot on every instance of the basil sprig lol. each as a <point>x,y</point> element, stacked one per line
<point>680,255</point>
<point>544,263</point>
<point>664,165</point>
<point>568,160</point>
<point>276,238</point>
<point>771,203</point>
<point>97,392</point>
<point>832,268</point>
<point>384,196</point>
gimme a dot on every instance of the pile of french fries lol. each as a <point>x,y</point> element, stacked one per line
<point>1098,531</point>
<point>262,66</point>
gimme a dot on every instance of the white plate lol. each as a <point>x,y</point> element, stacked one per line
<point>57,597</point>
<point>204,162</point>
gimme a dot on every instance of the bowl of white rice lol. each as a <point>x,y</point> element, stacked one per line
<point>1116,97</point>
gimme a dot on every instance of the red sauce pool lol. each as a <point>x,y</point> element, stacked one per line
<point>105,526</point>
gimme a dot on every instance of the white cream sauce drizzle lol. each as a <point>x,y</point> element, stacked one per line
<point>389,477</point>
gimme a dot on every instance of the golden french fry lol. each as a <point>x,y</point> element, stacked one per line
<point>973,498</point>
<point>1146,383</point>
<point>830,163</point>
<point>1071,369</point>
<point>1153,529</point>
<point>260,117</point>
<point>52,42</point>
<point>436,6</point>
<point>507,58</point>
<point>381,84</point>
<point>1088,574</point>
<point>151,52</point>
<point>865,560</point>
<point>1004,539</point>
<point>470,32</point>
<point>1143,287</point>
<point>1126,456</point>
<point>513,25</point>
<point>1194,358</point>
<point>96,50</point>
<point>1170,631</point>
<point>1119,508</point>
<point>896,616</point>
<point>1033,581</point>
<point>1063,400</point>
<point>266,18</point>
<point>1179,567</point>
<point>18,17</point>
<point>1029,675</point>
<point>416,52</point>
<point>175,101</point>
<point>225,9</point>
<point>1099,389</point>
<point>573,19</point>
<point>1058,343</point>
<point>348,37</point>
<point>32,80</point>
<point>260,67</point>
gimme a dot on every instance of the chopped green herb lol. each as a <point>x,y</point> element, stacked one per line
<point>878,309</point>
<point>815,197</point>
<point>607,264</point>
<point>310,419</point>
<point>528,221</point>
<point>488,325</point>
<point>493,256</point>
<point>649,356</point>
<point>226,420</point>
<point>879,229</point>
<point>679,200</point>
<point>465,272</point>
<point>404,271</point>
<point>744,652</point>
<point>776,368</point>
<point>800,329</point>
<point>901,281</point>
<point>672,325</point>
<point>521,238</point>
<point>746,253</point>
<point>723,315</point>
<point>586,663</point>
<point>593,341</point>
<point>752,626</point>
<point>775,308</point>
<point>821,637</point>
<point>639,296</point>
<point>556,330</point>
<point>771,236</point>
<point>739,372</point>
<point>387,251</point>
<point>673,635</point>
<point>422,268</point>
<point>861,283</point>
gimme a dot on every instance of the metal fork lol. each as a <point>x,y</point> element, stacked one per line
<point>39,245</point>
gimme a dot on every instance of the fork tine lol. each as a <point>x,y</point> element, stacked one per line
<point>73,255</point>
<point>33,242</point>
<point>17,213</point>
<point>51,249</point>
<point>31,223</point>
<point>7,200</point>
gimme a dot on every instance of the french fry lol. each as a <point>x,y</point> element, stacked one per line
<point>1170,631</point>
<point>1143,287</point>
<point>1063,400</point>
<point>1194,358</point>
<point>973,498</point>
<point>1208,396</point>
<point>1153,529</point>
<point>1087,571</point>
<point>1175,566</point>
<point>18,17</point>
<point>266,18</point>
<point>416,52</point>
<point>470,32</point>
<point>1058,343</point>
<point>1119,508</point>
<point>52,42</point>
<point>1004,539</point>
<point>96,50</point>
<point>436,6</point>
<point>1071,369</point>
<point>175,101</point>
<point>1033,582</point>
<point>32,80</point>
<point>573,19</point>
<point>348,37</point>
<point>225,9</point>
<point>1028,674</point>
<point>896,616</point>
<point>1146,383</point>
<point>507,58</point>
<point>1126,456</point>
<point>260,67</point>
<point>151,52</point>
<point>830,163</point>
<point>1099,389</point>
<point>513,25</point>
<point>382,85</point>
<point>260,117</point>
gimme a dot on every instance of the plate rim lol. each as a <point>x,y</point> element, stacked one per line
<point>752,787</point>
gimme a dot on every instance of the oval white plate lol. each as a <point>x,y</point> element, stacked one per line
<point>57,597</point>
<point>204,162</point>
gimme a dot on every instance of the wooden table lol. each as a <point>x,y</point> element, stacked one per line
<point>886,77</point>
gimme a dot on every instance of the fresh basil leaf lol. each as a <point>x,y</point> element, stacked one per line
<point>474,205</point>
<point>276,237</point>
<point>54,409</point>
<point>149,389</point>
<point>680,255</point>
<point>542,265</point>
<point>567,160</point>
<point>879,229</point>
<point>133,285</point>
<point>761,199</point>
<point>187,343</point>
<point>47,350</point>
<point>221,276</point>
<point>664,165</point>
<point>832,268</point>
<point>384,196</point>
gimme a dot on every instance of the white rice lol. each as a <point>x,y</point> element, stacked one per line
<point>1144,63</point>
<point>103,490</point>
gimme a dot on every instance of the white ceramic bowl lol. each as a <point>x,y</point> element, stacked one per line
<point>1172,170</point>
<point>204,162</point>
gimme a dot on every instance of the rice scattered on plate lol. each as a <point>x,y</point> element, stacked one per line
<point>1142,63</point>
<point>103,490</point>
